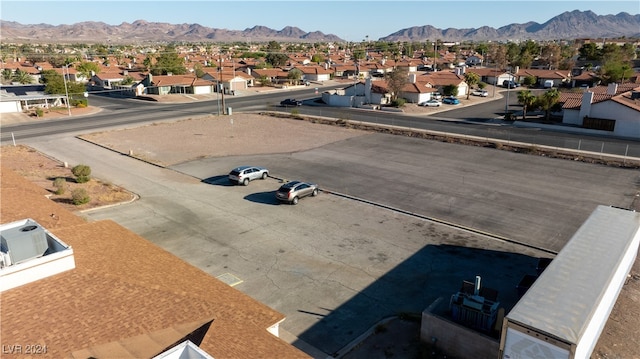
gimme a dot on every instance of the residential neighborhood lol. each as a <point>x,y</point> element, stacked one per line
<point>391,211</point>
<point>363,73</point>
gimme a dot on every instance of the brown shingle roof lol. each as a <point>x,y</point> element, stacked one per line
<point>123,286</point>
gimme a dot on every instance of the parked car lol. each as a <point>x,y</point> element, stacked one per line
<point>481,93</point>
<point>431,103</point>
<point>245,174</point>
<point>510,84</point>
<point>436,95</point>
<point>290,102</point>
<point>291,192</point>
<point>451,100</point>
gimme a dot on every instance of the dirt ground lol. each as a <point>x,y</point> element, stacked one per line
<point>165,144</point>
<point>43,170</point>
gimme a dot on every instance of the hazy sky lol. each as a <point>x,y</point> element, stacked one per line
<point>350,20</point>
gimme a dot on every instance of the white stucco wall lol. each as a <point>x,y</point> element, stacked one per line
<point>627,119</point>
<point>10,106</point>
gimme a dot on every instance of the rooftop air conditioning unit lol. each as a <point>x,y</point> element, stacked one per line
<point>635,95</point>
<point>24,242</point>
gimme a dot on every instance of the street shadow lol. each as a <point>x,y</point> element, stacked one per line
<point>221,180</point>
<point>436,271</point>
<point>263,198</point>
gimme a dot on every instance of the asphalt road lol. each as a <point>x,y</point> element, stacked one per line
<point>472,120</point>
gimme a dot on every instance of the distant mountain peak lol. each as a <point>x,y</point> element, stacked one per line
<point>568,25</point>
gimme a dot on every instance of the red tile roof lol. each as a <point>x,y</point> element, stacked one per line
<point>123,287</point>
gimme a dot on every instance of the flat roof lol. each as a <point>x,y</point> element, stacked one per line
<point>562,300</point>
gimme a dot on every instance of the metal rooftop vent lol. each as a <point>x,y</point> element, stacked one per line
<point>24,242</point>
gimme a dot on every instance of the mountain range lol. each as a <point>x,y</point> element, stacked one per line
<point>568,25</point>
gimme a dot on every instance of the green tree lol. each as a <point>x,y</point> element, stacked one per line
<point>317,58</point>
<point>22,77</point>
<point>147,62</point>
<point>198,70</point>
<point>85,68</point>
<point>264,80</point>
<point>529,81</point>
<point>527,100</point>
<point>612,72</point>
<point>273,46</point>
<point>276,59</point>
<point>525,59</point>
<point>396,81</point>
<point>55,84</point>
<point>547,101</point>
<point>128,80</point>
<point>450,90</point>
<point>169,62</point>
<point>513,52</point>
<point>294,75</point>
<point>358,54</point>
<point>482,48</point>
<point>589,51</point>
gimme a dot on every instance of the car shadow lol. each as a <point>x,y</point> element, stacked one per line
<point>263,197</point>
<point>221,180</point>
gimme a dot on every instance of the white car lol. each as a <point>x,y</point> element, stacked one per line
<point>245,174</point>
<point>431,103</point>
<point>482,93</point>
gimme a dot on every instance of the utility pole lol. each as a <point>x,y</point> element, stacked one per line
<point>64,79</point>
<point>221,82</point>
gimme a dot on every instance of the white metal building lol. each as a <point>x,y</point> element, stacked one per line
<point>562,315</point>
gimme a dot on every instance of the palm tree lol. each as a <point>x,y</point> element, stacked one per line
<point>7,75</point>
<point>471,79</point>
<point>527,100</point>
<point>547,100</point>
<point>22,77</point>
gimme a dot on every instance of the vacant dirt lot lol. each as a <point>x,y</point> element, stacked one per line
<point>166,144</point>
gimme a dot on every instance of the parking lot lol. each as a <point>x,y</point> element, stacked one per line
<point>336,266</point>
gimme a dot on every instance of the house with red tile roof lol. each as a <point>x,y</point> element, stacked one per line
<point>229,80</point>
<point>558,77</point>
<point>363,94</point>
<point>273,75</point>
<point>123,297</point>
<point>440,79</point>
<point>176,84</point>
<point>612,110</point>
<point>315,73</point>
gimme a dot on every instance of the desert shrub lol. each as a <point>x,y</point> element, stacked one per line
<point>82,173</point>
<point>39,112</point>
<point>80,196</point>
<point>59,184</point>
<point>399,102</point>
